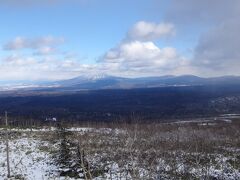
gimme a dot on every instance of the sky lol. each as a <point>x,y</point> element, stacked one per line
<point>62,39</point>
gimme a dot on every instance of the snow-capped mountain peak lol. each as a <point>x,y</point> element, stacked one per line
<point>94,77</point>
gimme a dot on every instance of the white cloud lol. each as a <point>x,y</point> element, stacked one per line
<point>133,59</point>
<point>33,43</point>
<point>45,51</point>
<point>148,31</point>
<point>138,55</point>
<point>16,60</point>
<point>17,67</point>
<point>139,58</point>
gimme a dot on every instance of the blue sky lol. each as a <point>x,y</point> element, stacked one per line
<point>60,39</point>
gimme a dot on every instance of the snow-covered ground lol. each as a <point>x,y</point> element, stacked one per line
<point>115,153</point>
<point>27,160</point>
<point>30,155</point>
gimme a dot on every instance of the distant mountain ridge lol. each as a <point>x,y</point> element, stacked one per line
<point>103,81</point>
<point>112,82</point>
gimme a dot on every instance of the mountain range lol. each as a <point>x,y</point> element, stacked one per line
<point>97,82</point>
<point>112,82</point>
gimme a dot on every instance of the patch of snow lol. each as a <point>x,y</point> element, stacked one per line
<point>26,160</point>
